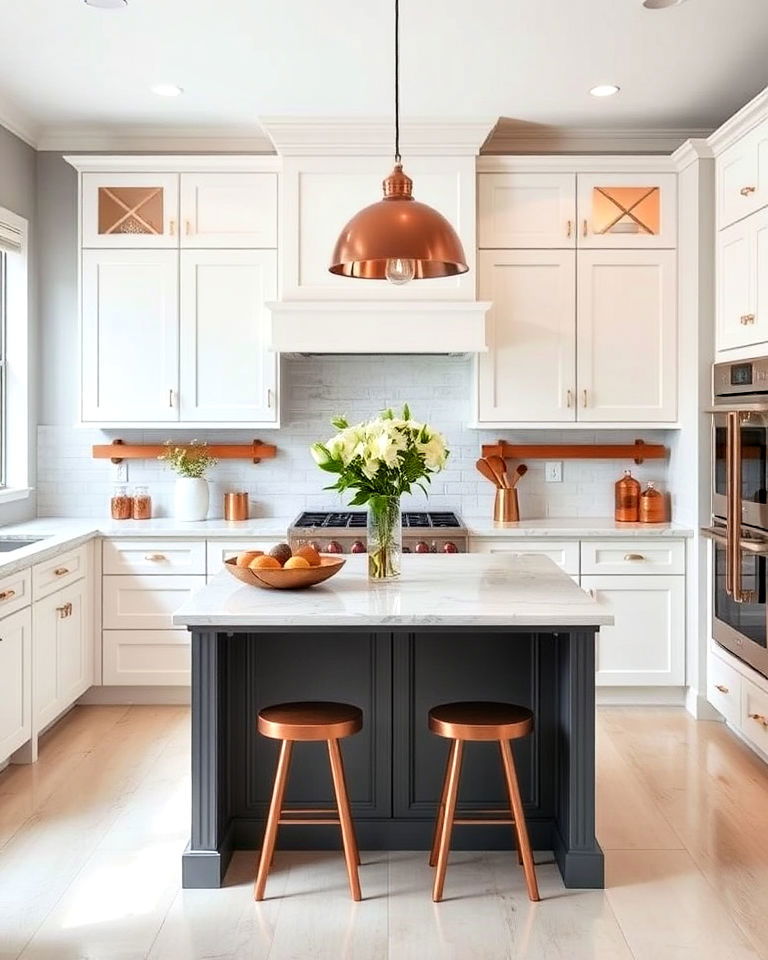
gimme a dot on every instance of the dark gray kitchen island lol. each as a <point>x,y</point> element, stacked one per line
<point>466,627</point>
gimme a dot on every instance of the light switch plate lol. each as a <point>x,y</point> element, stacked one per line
<point>553,471</point>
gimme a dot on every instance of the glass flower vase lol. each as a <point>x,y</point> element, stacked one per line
<point>385,538</point>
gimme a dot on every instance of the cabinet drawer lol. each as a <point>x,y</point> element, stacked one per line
<point>221,550</point>
<point>754,714</point>
<point>136,602</point>
<point>632,556</point>
<point>154,556</point>
<point>565,553</point>
<point>15,592</point>
<point>58,572</point>
<point>724,688</point>
<point>146,657</point>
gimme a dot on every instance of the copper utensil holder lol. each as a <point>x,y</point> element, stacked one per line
<point>505,506</point>
<point>235,506</point>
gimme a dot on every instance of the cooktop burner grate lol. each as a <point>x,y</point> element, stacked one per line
<point>358,518</point>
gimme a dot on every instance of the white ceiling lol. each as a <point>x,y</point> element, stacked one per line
<point>65,65</point>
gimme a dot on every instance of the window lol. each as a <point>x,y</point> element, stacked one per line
<point>14,347</point>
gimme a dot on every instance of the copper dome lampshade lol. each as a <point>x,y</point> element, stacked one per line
<point>398,239</point>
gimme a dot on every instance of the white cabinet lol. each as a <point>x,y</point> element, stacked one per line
<point>145,602</point>
<point>62,651</point>
<point>742,177</point>
<point>133,555</point>
<point>227,373</point>
<point>724,689</point>
<point>130,210</point>
<point>646,645</point>
<point>15,681</point>
<point>146,658</point>
<point>627,335</point>
<point>742,283</point>
<point>228,210</point>
<point>564,553</point>
<point>532,210</point>
<point>221,550</point>
<point>630,211</point>
<point>130,335</point>
<point>529,372</point>
<point>659,555</point>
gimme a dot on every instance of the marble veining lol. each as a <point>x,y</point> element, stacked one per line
<point>464,590</point>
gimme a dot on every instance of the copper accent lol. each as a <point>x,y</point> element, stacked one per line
<point>296,578</point>
<point>236,506</point>
<point>639,451</point>
<point>634,556</point>
<point>303,722</point>
<point>485,468</point>
<point>478,721</point>
<point>627,499</point>
<point>505,506</point>
<point>61,571</point>
<point>133,210</point>
<point>653,505</point>
<point>255,451</point>
<point>7,594</point>
<point>398,227</point>
<point>733,525</point>
<point>499,467</point>
<point>746,319</point>
<point>721,688</point>
<point>155,557</point>
<point>745,191</point>
<point>759,718</point>
<point>626,210</point>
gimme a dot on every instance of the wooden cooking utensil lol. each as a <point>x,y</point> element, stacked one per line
<point>485,468</point>
<point>499,466</point>
<point>520,471</point>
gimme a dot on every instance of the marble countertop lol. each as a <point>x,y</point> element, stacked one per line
<point>464,590</point>
<point>567,528</point>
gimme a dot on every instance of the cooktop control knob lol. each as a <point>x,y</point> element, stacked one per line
<point>450,547</point>
<point>334,547</point>
<point>422,547</point>
<point>406,549</point>
<point>357,547</point>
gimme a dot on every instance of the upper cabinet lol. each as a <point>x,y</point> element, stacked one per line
<point>627,210</point>
<point>229,210</point>
<point>742,177</point>
<point>130,210</point>
<point>519,210</point>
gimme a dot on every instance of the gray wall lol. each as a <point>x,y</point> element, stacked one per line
<point>18,193</point>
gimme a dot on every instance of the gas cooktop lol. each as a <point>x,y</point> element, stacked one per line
<point>348,519</point>
<point>344,531</point>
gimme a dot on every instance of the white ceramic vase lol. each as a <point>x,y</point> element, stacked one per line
<point>191,498</point>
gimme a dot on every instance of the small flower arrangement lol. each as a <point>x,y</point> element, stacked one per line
<point>191,461</point>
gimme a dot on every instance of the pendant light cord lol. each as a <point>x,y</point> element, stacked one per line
<point>397,81</point>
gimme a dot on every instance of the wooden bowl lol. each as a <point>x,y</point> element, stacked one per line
<point>296,578</point>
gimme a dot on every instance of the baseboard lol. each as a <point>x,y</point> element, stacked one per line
<point>640,696</point>
<point>699,707</point>
<point>126,696</point>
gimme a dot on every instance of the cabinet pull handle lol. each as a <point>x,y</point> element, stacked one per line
<point>172,227</point>
<point>188,227</point>
<point>745,191</point>
<point>568,398</point>
<point>61,571</point>
<point>760,718</point>
<point>64,611</point>
<point>155,557</point>
<point>585,228</point>
<point>591,592</point>
<point>170,397</point>
<point>634,556</point>
<point>569,229</point>
<point>584,398</point>
<point>722,688</point>
<point>269,398</point>
<point>747,318</point>
<point>7,594</point>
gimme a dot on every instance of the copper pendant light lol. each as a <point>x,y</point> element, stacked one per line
<point>398,239</point>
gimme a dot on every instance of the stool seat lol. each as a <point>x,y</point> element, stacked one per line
<point>480,720</point>
<point>310,720</point>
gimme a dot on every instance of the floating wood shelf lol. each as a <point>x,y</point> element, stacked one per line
<point>637,451</point>
<point>117,451</point>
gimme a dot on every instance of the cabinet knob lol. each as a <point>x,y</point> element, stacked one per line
<point>7,594</point>
<point>155,557</point>
<point>745,191</point>
<point>61,571</point>
<point>721,688</point>
<point>747,318</point>
<point>634,556</point>
<point>64,611</point>
<point>760,718</point>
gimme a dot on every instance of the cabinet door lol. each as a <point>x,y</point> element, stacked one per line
<point>528,371</point>
<point>646,644</point>
<point>130,335</point>
<point>735,327</point>
<point>145,602</point>
<point>627,336</point>
<point>227,374</point>
<point>229,209</point>
<point>15,682</point>
<point>565,553</point>
<point>742,177</point>
<point>130,210</point>
<point>526,210</point>
<point>627,210</point>
<point>146,658</point>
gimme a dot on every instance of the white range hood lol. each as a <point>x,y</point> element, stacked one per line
<point>330,170</point>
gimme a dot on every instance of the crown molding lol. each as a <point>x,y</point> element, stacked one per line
<point>518,137</point>
<point>174,163</point>
<point>740,123</point>
<point>690,152</point>
<point>604,163</point>
<point>361,136</point>
<point>18,123</point>
<point>152,138</point>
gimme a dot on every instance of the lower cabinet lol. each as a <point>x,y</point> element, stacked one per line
<point>15,681</point>
<point>740,694</point>
<point>146,658</point>
<point>63,651</point>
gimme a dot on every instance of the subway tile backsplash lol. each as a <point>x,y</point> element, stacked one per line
<point>438,389</point>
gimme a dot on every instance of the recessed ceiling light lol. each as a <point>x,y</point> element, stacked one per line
<point>167,90</point>
<point>107,4</point>
<point>661,4</point>
<point>604,90</point>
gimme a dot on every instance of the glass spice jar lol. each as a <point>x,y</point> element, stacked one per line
<point>121,504</point>
<point>142,503</point>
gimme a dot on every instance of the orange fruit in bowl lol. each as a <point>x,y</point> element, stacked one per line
<point>309,553</point>
<point>296,563</point>
<point>264,562</point>
<point>245,559</point>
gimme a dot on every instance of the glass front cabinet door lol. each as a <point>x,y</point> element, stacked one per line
<point>627,210</point>
<point>130,210</point>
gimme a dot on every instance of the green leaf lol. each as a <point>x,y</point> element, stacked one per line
<point>359,498</point>
<point>406,412</point>
<point>341,423</point>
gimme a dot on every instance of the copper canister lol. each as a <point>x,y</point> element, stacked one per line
<point>653,507</point>
<point>627,499</point>
<point>235,506</point>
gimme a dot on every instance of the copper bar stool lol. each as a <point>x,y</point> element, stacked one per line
<point>477,721</point>
<point>308,721</point>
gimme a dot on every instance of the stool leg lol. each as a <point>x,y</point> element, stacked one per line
<point>351,854</point>
<point>517,812</point>
<point>275,809</point>
<point>449,814</point>
<point>351,821</point>
<point>441,806</point>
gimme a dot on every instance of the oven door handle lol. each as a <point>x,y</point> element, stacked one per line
<point>757,548</point>
<point>730,529</point>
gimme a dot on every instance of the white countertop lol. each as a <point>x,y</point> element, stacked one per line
<point>464,590</point>
<point>575,528</point>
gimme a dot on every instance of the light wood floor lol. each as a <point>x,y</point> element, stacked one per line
<point>90,840</point>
